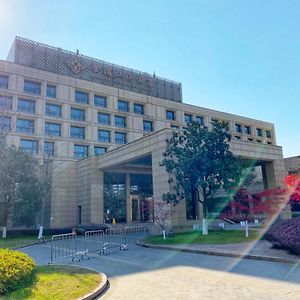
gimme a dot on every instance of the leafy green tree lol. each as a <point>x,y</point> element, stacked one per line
<point>19,187</point>
<point>200,163</point>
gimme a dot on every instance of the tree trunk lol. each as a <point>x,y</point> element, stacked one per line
<point>204,221</point>
<point>246,229</point>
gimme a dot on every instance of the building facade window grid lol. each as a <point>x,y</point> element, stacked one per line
<point>53,110</point>
<point>51,91</point>
<point>103,119</point>
<point>25,105</point>
<point>123,106</point>
<point>77,132</point>
<point>81,97</point>
<point>103,136</point>
<point>138,109</point>
<point>100,101</point>
<point>81,151</point>
<point>120,121</point>
<point>247,129</point>
<point>238,127</point>
<point>5,103</point>
<point>3,82</point>
<point>120,138</point>
<point>77,114</point>
<point>24,125</point>
<point>32,87</point>
<point>268,134</point>
<point>52,129</point>
<point>29,146</point>
<point>199,120</point>
<point>259,132</point>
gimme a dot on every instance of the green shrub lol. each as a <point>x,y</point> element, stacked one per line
<point>16,270</point>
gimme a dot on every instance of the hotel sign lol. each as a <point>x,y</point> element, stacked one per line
<point>68,63</point>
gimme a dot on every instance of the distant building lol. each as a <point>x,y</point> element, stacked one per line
<point>292,164</point>
<point>106,128</point>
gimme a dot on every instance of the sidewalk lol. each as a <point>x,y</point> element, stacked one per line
<point>260,250</point>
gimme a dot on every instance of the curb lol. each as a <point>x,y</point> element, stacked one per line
<point>218,253</point>
<point>99,290</point>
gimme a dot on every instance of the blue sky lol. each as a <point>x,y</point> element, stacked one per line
<point>236,56</point>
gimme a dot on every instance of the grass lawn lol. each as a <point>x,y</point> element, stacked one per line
<point>13,242</point>
<point>57,283</point>
<point>213,237</point>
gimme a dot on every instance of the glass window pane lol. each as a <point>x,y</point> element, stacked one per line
<point>170,115</point>
<point>99,150</point>
<point>49,148</point>
<point>23,125</point>
<point>5,123</point>
<point>25,105</point>
<point>53,110</point>
<point>138,109</point>
<point>123,106</point>
<point>5,103</point>
<point>81,151</point>
<point>103,119</point>
<point>3,82</point>
<point>51,91</point>
<point>31,87</point>
<point>52,129</point>
<point>120,138</point>
<point>81,97</point>
<point>187,118</point>
<point>148,126</point>
<point>104,136</point>
<point>120,121</point>
<point>29,146</point>
<point>100,101</point>
<point>77,114</point>
<point>77,132</point>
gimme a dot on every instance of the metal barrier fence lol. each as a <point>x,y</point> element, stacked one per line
<point>64,246</point>
<point>69,245</point>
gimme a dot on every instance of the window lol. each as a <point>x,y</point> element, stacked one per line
<point>199,120</point>
<point>170,115</point>
<point>52,129</point>
<point>27,106</point>
<point>250,139</point>
<point>53,110</point>
<point>100,101</point>
<point>120,138</point>
<point>187,118</point>
<point>259,141</point>
<point>123,106</point>
<point>259,132</point>
<point>103,136</point>
<point>5,103</point>
<point>138,109</point>
<point>26,126</point>
<point>77,114</point>
<point>77,132</point>
<point>214,120</point>
<point>247,129</point>
<point>99,150</point>
<point>31,87</point>
<point>174,126</point>
<point>81,97</point>
<point>49,148</point>
<point>29,146</point>
<point>238,127</point>
<point>5,123</point>
<point>120,121</point>
<point>81,151</point>
<point>148,126</point>
<point>3,82</point>
<point>237,137</point>
<point>51,91</point>
<point>268,134</point>
<point>103,119</point>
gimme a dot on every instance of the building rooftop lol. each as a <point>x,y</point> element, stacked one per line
<point>57,60</point>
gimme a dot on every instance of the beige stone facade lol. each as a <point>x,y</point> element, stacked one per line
<point>78,182</point>
<point>292,164</point>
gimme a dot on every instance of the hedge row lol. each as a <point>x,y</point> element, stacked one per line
<point>285,234</point>
<point>16,270</point>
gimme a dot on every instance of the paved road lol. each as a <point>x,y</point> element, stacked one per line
<point>142,273</point>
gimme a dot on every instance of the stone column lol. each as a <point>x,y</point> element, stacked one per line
<point>128,199</point>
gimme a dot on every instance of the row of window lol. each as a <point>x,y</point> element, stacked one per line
<point>80,151</point>
<point>248,130</point>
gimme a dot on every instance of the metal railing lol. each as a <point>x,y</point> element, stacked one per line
<point>95,241</point>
